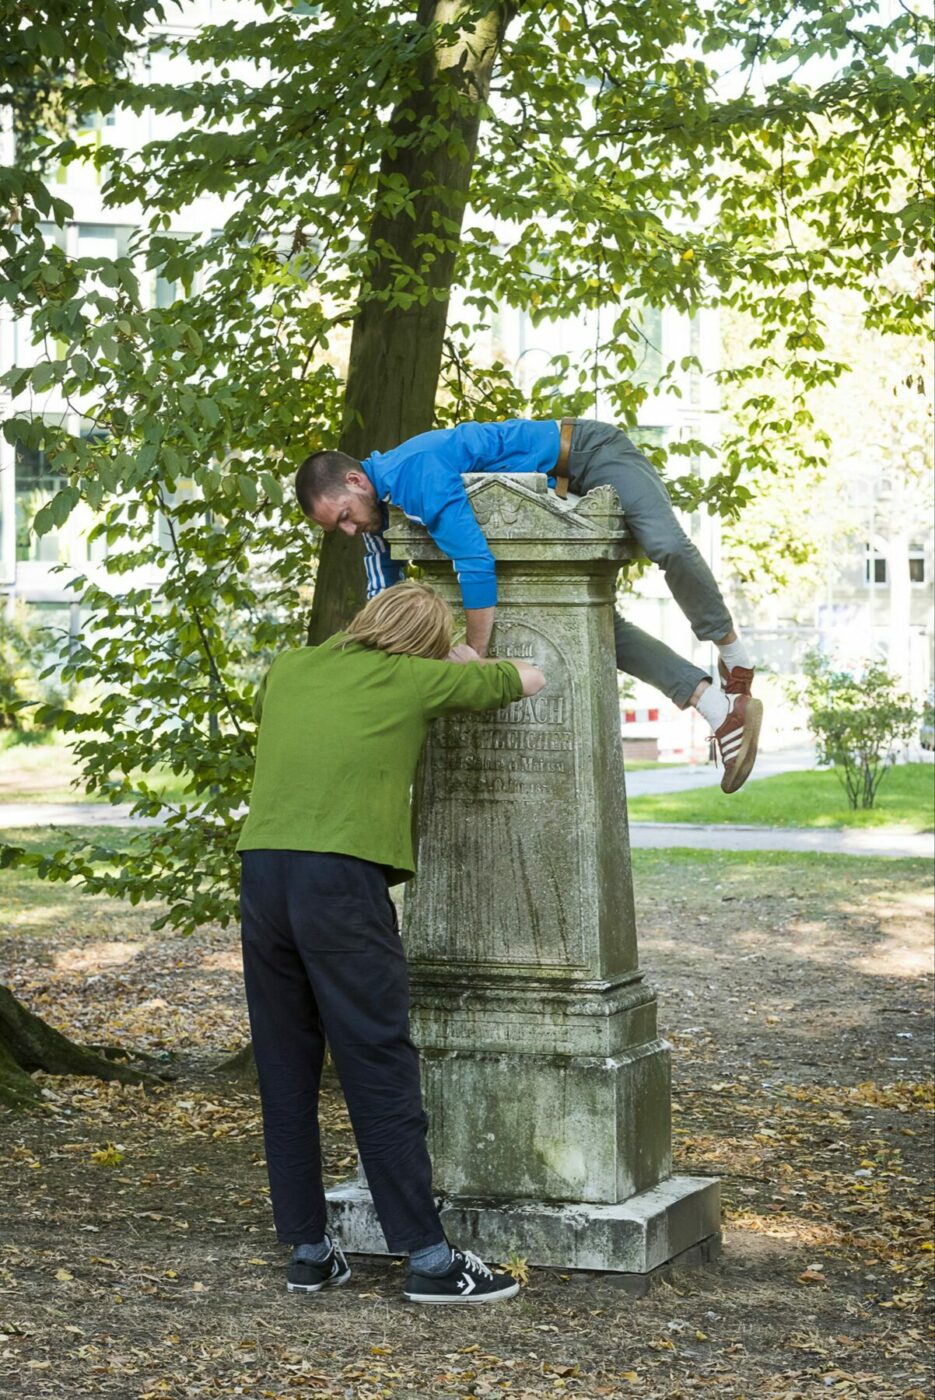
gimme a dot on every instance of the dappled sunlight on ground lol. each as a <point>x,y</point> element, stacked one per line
<point>898,926</point>
<point>92,957</point>
<point>228,960</point>
<point>894,957</point>
<point>793,1228</point>
<point>801,1079</point>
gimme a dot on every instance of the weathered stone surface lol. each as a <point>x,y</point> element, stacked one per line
<point>520,875</point>
<point>544,1077</point>
<point>555,1127</point>
<point>634,1236</point>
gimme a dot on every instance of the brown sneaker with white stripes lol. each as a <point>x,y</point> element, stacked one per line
<point>738,681</point>
<point>736,740</point>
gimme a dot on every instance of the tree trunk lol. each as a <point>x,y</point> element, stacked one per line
<point>241,1065</point>
<point>396,348</point>
<point>27,1043</point>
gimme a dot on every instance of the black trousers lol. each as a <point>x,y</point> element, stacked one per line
<point>323,959</point>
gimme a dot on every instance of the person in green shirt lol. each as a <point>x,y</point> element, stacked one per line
<point>341,728</point>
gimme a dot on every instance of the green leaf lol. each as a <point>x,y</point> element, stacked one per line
<point>43,521</point>
<point>43,375</point>
<point>272,487</point>
<point>94,492</point>
<point>248,490</point>
<point>62,504</point>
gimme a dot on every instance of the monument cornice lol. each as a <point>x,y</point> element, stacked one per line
<point>523,520</point>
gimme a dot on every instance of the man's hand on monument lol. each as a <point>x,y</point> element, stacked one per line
<point>479,627</point>
<point>463,653</point>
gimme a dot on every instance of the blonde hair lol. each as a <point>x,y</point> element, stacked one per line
<point>408,618</point>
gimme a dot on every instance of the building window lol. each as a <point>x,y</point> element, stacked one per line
<point>874,566</point>
<point>166,292</point>
<point>96,548</point>
<point>694,349</point>
<point>37,481</point>
<point>916,564</point>
<point>649,439</point>
<point>648,347</point>
<point>103,240</point>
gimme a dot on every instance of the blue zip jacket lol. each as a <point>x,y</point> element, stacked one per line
<point>423,477</point>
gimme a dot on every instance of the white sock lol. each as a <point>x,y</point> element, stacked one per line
<point>735,654</point>
<point>714,706</point>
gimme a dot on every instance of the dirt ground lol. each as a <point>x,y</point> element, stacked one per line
<point>136,1254</point>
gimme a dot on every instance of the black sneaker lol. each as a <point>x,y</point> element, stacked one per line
<point>467,1281</point>
<point>312,1278</point>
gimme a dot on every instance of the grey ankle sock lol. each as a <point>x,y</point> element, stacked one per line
<point>312,1253</point>
<point>433,1260</point>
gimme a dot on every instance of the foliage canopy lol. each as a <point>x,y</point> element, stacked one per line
<point>747,155</point>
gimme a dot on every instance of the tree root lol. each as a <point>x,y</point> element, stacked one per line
<point>28,1043</point>
<point>241,1065</point>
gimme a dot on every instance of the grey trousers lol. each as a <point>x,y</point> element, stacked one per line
<point>602,455</point>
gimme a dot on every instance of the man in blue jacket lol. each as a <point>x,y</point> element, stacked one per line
<point>423,477</point>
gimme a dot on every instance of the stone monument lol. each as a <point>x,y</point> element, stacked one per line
<point>545,1081</point>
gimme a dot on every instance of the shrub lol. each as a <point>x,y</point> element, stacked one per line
<point>858,722</point>
<point>25,680</point>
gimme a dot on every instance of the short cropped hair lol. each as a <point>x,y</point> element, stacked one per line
<point>322,474</point>
<point>410,618</point>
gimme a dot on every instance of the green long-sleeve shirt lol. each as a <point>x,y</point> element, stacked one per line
<point>341,730</point>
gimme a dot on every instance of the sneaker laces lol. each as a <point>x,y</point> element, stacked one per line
<point>475,1264</point>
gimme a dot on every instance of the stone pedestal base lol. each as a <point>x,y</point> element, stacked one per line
<point>635,1237</point>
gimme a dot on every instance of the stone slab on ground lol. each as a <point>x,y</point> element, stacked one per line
<point>636,1236</point>
<point>639,1285</point>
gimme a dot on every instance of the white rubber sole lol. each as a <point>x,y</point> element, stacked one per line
<point>445,1301</point>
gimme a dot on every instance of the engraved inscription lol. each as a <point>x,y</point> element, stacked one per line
<point>519,651</point>
<point>496,792</point>
<point>524,751</point>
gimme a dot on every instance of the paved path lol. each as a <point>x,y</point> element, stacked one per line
<point>882,841</point>
<point>70,814</point>
<point>685,777</point>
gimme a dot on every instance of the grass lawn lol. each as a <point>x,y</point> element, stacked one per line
<point>906,798</point>
<point>45,772</point>
<point>643,765</point>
